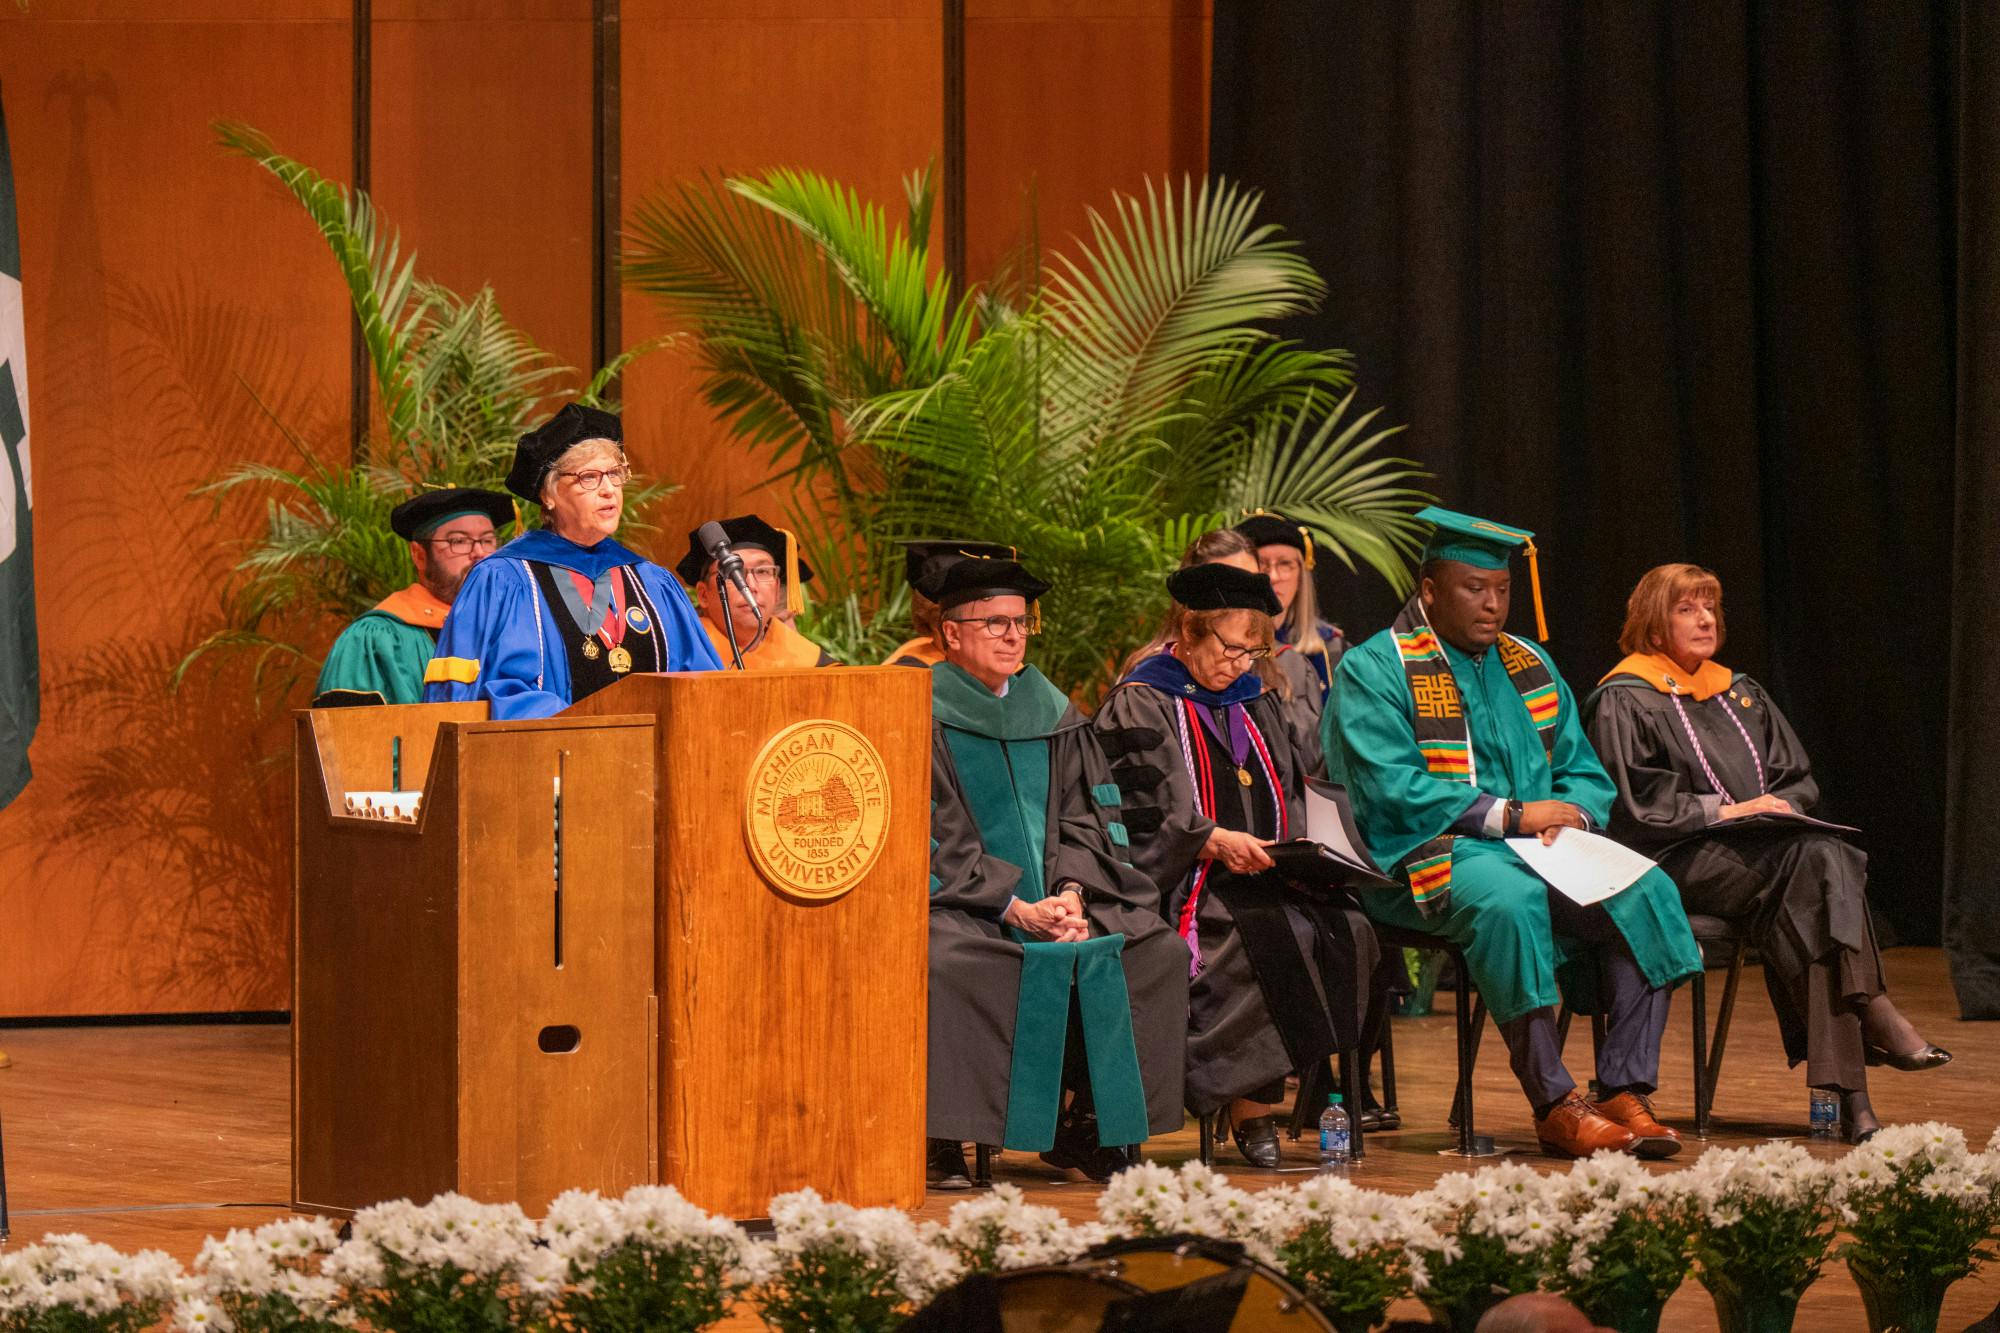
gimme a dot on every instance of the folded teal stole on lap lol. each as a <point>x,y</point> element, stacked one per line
<point>1000,746</point>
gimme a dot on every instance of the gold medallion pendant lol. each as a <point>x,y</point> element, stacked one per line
<point>621,660</point>
<point>591,650</point>
<point>1243,775</point>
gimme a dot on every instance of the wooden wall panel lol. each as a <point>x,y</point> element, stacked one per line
<point>852,88</point>
<point>144,867</point>
<point>1078,98</point>
<point>482,152</point>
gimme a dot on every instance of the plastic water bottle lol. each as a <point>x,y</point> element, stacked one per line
<point>1336,1140</point>
<point>1825,1113</point>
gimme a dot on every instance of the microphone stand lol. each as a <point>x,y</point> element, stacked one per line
<point>728,620</point>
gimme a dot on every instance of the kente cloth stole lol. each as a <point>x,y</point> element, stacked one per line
<point>1201,772</point>
<point>1442,736</point>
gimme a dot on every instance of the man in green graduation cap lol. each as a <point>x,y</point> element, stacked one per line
<point>380,657</point>
<point>1051,969</point>
<point>1456,736</point>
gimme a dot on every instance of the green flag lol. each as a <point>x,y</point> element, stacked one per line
<point>20,669</point>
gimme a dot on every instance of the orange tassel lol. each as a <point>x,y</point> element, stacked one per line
<point>1535,583</point>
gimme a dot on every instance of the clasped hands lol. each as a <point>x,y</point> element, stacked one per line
<point>1057,918</point>
<point>1756,805</point>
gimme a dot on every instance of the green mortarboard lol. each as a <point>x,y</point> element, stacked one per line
<point>1483,544</point>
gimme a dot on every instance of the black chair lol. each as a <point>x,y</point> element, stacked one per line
<point>1471,1026</point>
<point>1716,937</point>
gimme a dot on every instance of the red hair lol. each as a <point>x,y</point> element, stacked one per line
<point>1651,605</point>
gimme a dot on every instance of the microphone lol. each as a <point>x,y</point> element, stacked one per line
<point>729,565</point>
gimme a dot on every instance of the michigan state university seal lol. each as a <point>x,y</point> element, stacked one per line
<point>816,809</point>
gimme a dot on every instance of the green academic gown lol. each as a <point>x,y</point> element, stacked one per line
<point>1498,910</point>
<point>1022,800</point>
<point>384,652</point>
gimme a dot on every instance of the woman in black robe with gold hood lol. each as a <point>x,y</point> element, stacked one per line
<point>1692,745</point>
<point>1210,774</point>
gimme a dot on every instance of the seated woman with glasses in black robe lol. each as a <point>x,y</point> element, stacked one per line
<point>1210,775</point>
<point>1696,750</point>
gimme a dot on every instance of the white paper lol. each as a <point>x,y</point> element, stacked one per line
<point>1325,827</point>
<point>1584,867</point>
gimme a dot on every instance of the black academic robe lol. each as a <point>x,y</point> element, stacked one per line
<point>1803,892</point>
<point>1282,980</point>
<point>976,961</point>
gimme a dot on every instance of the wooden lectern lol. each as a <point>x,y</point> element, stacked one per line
<point>793,844</point>
<point>458,1023</point>
<point>752,848</point>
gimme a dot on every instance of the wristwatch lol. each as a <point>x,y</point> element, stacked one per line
<point>1512,823</point>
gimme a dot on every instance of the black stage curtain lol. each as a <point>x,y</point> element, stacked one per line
<point>1665,281</point>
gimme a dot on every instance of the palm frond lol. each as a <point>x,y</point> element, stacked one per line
<point>381,282</point>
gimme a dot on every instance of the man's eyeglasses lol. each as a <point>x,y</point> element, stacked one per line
<point>1236,652</point>
<point>762,573</point>
<point>997,626</point>
<point>591,480</point>
<point>460,544</point>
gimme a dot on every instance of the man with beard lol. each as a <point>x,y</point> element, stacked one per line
<point>380,658</point>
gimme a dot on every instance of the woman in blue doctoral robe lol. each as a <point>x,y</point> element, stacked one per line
<point>558,614</point>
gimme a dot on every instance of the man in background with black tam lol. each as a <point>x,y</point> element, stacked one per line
<point>776,575</point>
<point>380,657</point>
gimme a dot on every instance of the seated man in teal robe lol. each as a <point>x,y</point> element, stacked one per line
<point>380,657</point>
<point>1051,969</point>
<point>1454,736</point>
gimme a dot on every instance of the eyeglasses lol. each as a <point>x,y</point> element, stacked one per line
<point>460,544</point>
<point>1280,565</point>
<point>762,573</point>
<point>1236,652</point>
<point>997,626</point>
<point>591,480</point>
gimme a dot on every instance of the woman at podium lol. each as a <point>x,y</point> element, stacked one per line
<point>561,612</point>
<point>1212,774</point>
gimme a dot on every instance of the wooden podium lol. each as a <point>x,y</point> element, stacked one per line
<point>793,1020</point>
<point>753,849</point>
<point>458,1023</point>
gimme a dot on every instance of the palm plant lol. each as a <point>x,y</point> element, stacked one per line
<point>454,384</point>
<point>1098,412</point>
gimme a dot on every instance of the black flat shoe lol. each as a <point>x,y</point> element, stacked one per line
<point>1257,1140</point>
<point>1925,1057</point>
<point>1375,1119</point>
<point>945,1166</point>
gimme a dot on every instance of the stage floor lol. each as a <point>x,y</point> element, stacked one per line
<point>153,1136</point>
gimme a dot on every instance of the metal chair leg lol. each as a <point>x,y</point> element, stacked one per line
<point>4,1228</point>
<point>1722,1016</point>
<point>1471,1028</point>
<point>1698,999</point>
<point>1207,1150</point>
<point>1471,1025</point>
<point>1386,1053</point>
<point>1350,1092</point>
<point>982,1166</point>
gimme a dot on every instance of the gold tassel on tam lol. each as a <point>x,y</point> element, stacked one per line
<point>1535,585</point>
<point>795,596</point>
<point>1305,535</point>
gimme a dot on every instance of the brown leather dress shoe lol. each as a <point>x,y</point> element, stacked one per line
<point>1635,1112</point>
<point>1573,1128</point>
